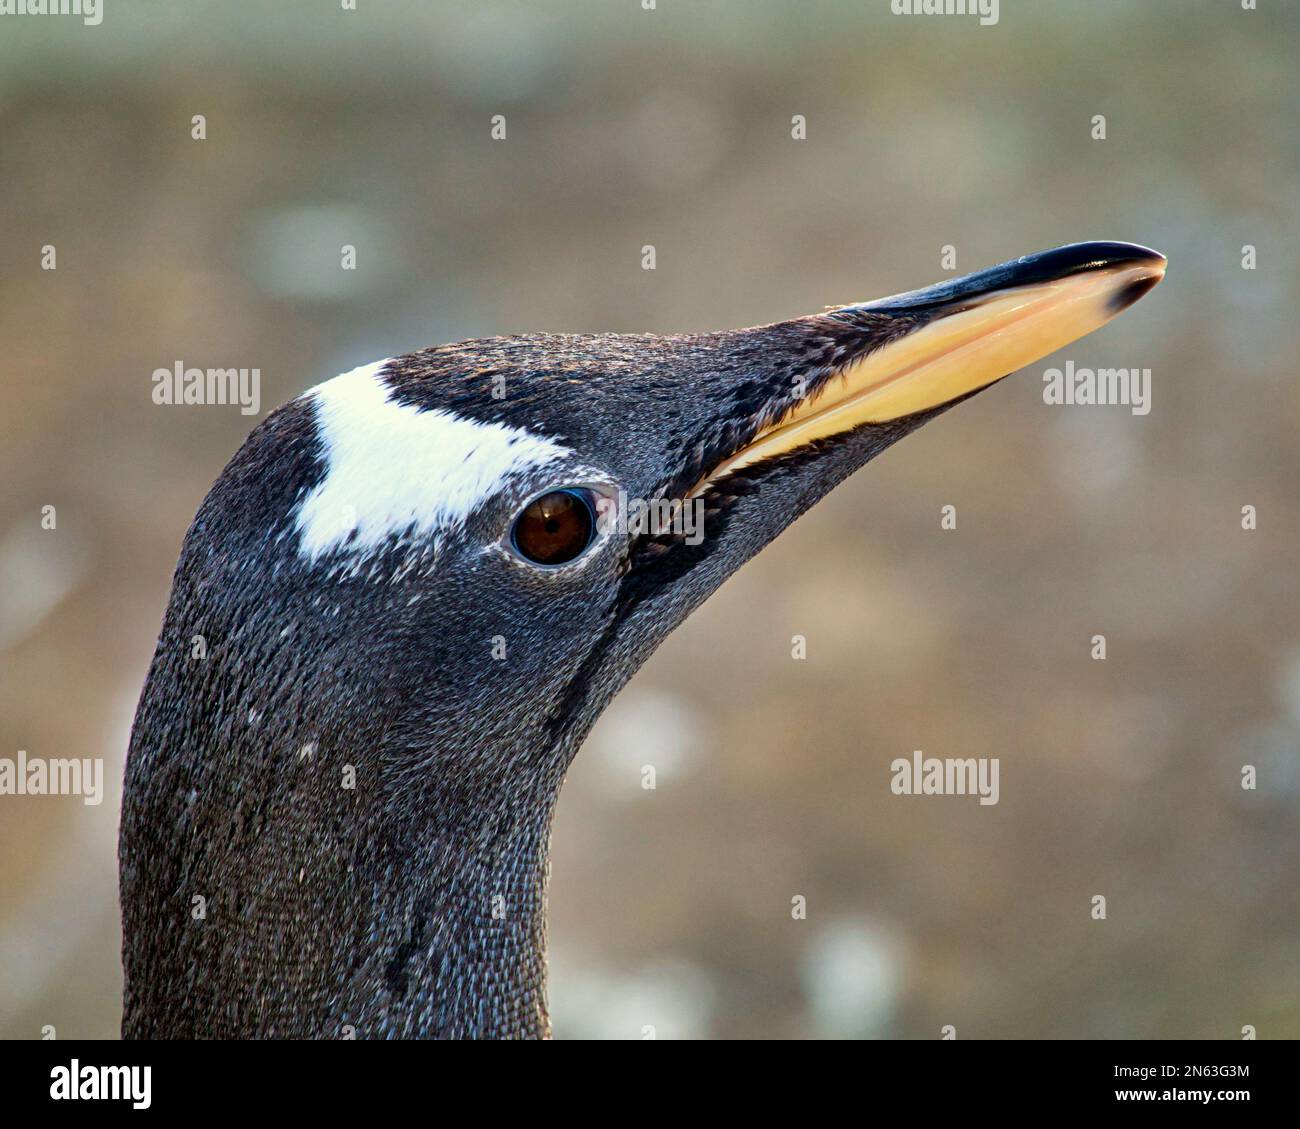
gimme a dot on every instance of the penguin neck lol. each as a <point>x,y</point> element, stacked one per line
<point>359,878</point>
<point>463,949</point>
<point>452,894</point>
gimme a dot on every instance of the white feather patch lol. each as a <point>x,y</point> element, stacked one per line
<point>393,468</point>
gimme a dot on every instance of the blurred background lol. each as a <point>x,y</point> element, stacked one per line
<point>672,127</point>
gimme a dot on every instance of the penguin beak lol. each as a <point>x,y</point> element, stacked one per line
<point>930,347</point>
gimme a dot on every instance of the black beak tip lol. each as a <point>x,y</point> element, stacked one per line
<point>1074,258</point>
<point>1122,299</point>
<point>1031,270</point>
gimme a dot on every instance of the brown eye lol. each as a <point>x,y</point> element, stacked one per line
<point>555,527</point>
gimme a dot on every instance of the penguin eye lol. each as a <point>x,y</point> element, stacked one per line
<point>555,528</point>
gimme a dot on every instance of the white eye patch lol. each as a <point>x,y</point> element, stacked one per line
<point>394,469</point>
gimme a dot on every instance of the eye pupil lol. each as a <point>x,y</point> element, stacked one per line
<point>555,528</point>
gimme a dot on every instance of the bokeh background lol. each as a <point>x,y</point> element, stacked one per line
<point>672,127</point>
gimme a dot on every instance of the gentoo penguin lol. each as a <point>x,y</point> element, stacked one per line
<point>402,606</point>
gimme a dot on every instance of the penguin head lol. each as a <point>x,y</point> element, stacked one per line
<point>474,546</point>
